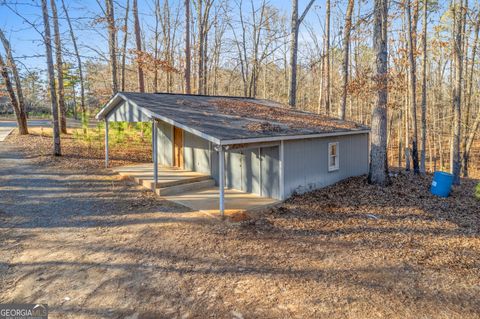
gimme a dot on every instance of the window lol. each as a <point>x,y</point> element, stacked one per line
<point>333,156</point>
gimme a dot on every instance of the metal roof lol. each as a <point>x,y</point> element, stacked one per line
<point>229,120</point>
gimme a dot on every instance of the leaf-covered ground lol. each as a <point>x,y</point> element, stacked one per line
<point>94,246</point>
<point>87,152</point>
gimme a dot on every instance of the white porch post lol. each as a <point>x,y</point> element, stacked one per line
<point>106,142</point>
<point>281,167</point>
<point>155,155</point>
<point>221,179</point>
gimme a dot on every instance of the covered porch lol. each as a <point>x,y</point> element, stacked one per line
<point>192,189</point>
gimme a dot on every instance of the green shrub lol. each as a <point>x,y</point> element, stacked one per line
<point>477,191</point>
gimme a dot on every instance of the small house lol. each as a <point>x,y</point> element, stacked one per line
<point>253,145</point>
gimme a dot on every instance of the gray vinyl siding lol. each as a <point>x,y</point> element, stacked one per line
<point>127,112</point>
<point>253,170</point>
<point>270,178</point>
<point>165,143</point>
<point>242,170</point>
<point>306,162</point>
<point>196,153</point>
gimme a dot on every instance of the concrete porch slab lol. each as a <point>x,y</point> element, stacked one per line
<point>207,200</point>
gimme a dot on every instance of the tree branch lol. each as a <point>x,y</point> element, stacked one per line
<point>305,11</point>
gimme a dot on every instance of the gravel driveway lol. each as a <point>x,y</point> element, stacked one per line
<point>76,241</point>
<point>93,246</point>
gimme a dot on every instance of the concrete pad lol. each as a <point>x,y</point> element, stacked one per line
<point>207,200</point>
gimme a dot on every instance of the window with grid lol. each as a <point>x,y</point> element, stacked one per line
<point>333,161</point>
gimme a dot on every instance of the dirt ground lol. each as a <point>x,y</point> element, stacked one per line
<point>94,246</point>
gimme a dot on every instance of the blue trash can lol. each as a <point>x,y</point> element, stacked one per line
<point>441,184</point>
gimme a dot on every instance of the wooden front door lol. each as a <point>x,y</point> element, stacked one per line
<point>177,147</point>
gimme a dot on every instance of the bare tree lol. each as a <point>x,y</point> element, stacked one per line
<point>112,44</point>
<point>22,115</point>
<point>51,80</point>
<point>469,136</point>
<point>79,62</point>
<point>412,86</point>
<point>124,46</point>
<point>378,156</point>
<point>21,118</point>
<point>424,89</point>
<point>188,88</point>
<point>203,13</point>
<point>346,51</point>
<point>252,51</point>
<point>156,39</point>
<point>295,25</point>
<point>455,161</point>
<point>327,58</point>
<point>59,63</point>
<point>138,42</point>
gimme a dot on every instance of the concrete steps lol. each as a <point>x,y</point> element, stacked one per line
<point>167,177</point>
<point>185,187</point>
<point>147,181</point>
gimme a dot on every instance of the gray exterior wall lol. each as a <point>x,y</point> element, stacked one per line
<point>253,170</point>
<point>127,112</point>
<point>306,162</point>
<point>196,153</point>
<point>165,143</point>
<point>196,150</point>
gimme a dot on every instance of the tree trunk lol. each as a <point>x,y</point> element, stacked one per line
<point>200,51</point>
<point>124,45</point>
<point>424,89</point>
<point>292,93</point>
<point>59,63</point>
<point>466,139</point>
<point>51,80</point>
<point>378,156</point>
<point>79,64</point>
<point>455,162</point>
<point>188,88</point>
<point>469,143</point>
<point>321,85</point>
<point>22,115</point>
<point>413,88</point>
<point>21,118</point>
<point>327,58</point>
<point>346,50</point>
<point>138,42</point>
<point>112,44</point>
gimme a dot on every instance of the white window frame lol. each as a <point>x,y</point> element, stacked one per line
<point>335,167</point>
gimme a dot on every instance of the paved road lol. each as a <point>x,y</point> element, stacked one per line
<point>7,126</point>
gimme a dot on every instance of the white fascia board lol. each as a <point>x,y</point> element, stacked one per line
<point>290,137</point>
<point>103,114</point>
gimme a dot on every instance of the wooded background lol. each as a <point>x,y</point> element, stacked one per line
<point>317,56</point>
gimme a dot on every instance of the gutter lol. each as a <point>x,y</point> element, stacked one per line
<point>290,137</point>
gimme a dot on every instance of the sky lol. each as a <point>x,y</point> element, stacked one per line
<point>29,50</point>
<point>27,42</point>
